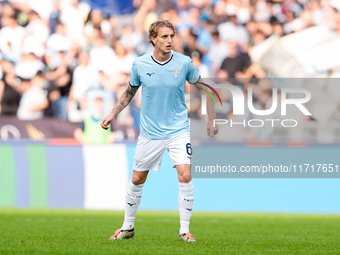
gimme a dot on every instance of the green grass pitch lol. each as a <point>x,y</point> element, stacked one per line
<point>26,231</point>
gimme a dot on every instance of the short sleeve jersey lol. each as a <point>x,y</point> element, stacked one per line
<point>163,111</point>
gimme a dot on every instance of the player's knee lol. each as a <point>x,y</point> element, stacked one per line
<point>185,177</point>
<point>138,179</point>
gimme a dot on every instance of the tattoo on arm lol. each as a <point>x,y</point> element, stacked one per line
<point>125,99</point>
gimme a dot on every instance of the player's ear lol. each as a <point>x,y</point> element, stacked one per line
<point>153,39</point>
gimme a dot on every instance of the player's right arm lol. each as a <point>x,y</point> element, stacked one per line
<point>123,101</point>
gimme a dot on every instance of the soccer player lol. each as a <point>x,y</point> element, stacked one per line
<point>164,123</point>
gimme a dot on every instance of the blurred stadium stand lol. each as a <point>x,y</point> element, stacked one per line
<point>258,38</point>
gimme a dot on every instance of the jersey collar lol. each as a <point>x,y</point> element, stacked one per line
<point>163,63</point>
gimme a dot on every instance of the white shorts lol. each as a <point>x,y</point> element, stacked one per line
<point>149,152</point>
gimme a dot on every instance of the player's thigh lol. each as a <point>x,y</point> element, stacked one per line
<point>179,149</point>
<point>148,155</point>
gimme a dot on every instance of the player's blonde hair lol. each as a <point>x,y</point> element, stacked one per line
<point>155,26</point>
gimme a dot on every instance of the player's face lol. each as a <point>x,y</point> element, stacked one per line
<point>164,40</point>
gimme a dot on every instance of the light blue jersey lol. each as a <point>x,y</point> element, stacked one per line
<point>163,112</point>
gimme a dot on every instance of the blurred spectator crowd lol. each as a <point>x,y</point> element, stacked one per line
<point>59,56</point>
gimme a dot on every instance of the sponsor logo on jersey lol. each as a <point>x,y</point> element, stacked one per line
<point>150,74</point>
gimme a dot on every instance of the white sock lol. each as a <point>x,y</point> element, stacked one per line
<point>185,203</point>
<point>132,201</point>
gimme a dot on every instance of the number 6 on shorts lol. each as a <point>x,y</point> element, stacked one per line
<point>189,149</point>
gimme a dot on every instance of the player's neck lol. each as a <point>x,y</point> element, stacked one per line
<point>160,56</point>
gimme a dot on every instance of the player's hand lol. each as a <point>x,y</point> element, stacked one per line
<point>211,130</point>
<point>105,123</point>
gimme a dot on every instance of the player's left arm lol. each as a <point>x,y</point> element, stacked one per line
<point>192,74</point>
<point>211,129</point>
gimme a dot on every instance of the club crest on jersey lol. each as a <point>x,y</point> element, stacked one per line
<point>176,72</point>
<point>137,162</point>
